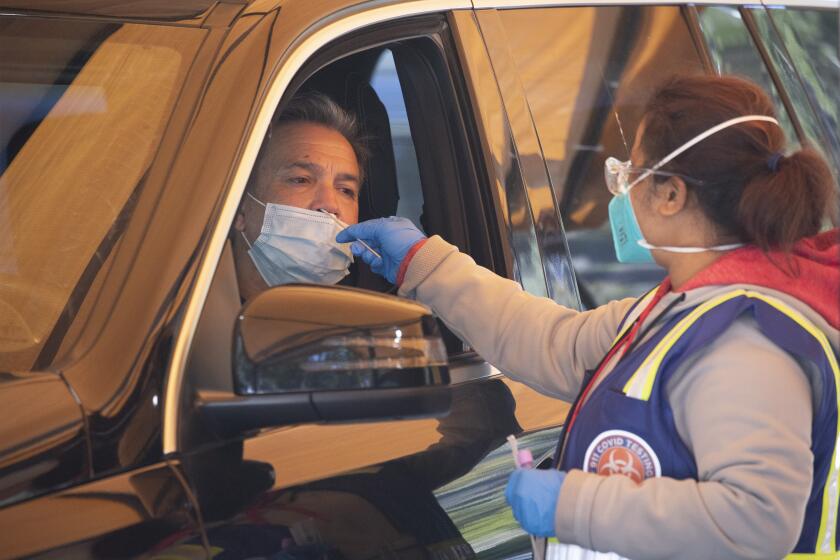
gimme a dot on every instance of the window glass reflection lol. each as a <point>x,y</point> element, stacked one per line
<point>793,65</point>
<point>733,52</point>
<point>803,46</point>
<point>586,88</point>
<point>83,107</point>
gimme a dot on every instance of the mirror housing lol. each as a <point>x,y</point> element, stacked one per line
<point>309,353</point>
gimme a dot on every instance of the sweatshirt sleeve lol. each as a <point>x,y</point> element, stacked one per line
<point>531,339</point>
<point>744,409</point>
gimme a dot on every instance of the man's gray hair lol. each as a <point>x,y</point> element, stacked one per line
<point>317,108</point>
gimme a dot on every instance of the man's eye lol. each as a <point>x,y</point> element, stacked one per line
<point>350,193</point>
<point>300,180</point>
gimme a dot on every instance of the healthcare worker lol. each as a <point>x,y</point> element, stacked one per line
<point>705,415</point>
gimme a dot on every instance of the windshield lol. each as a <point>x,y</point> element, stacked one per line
<point>84,109</point>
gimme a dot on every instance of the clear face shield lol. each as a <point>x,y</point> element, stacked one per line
<point>621,176</point>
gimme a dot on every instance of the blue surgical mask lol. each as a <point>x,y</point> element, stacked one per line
<point>626,233</point>
<point>630,244</point>
<point>298,245</point>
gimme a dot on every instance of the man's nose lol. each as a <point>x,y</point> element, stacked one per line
<point>326,198</point>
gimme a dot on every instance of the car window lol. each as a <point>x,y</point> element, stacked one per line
<point>585,88</point>
<point>733,51</point>
<point>802,45</point>
<point>84,106</point>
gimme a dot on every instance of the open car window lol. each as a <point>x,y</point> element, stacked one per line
<point>84,109</point>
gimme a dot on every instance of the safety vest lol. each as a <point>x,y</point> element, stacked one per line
<point>626,426</point>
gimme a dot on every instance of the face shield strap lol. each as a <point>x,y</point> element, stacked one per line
<point>699,138</point>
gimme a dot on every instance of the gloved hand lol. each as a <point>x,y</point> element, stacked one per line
<point>391,237</point>
<point>533,494</point>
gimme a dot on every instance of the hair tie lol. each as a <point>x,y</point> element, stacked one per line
<point>773,161</point>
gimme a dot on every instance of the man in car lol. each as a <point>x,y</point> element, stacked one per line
<point>304,189</point>
<point>311,161</point>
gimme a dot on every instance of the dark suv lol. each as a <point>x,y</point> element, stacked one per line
<point>148,414</point>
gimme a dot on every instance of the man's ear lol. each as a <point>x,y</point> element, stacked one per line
<point>239,220</point>
<point>672,196</point>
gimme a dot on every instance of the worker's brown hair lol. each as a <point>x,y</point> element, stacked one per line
<point>747,187</point>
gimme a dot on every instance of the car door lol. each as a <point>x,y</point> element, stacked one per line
<point>43,447</point>
<point>410,487</point>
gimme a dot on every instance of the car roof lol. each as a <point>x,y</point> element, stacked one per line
<point>160,10</point>
<point>194,11</point>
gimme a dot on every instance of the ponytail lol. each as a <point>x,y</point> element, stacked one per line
<point>743,184</point>
<point>778,208</point>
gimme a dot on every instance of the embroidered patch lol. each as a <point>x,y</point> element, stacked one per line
<point>619,452</point>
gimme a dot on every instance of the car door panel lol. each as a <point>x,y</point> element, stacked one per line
<point>502,164</point>
<point>361,489</point>
<point>550,245</point>
<point>42,438</point>
<point>134,514</point>
<point>303,453</point>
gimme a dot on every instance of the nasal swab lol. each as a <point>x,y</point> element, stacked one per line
<point>342,224</point>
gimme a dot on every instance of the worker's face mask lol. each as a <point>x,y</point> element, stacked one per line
<point>298,245</point>
<point>621,176</point>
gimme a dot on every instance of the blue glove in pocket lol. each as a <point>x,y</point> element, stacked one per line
<point>533,494</point>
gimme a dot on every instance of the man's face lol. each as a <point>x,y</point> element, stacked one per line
<point>306,165</point>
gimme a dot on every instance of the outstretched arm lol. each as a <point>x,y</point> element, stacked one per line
<point>529,338</point>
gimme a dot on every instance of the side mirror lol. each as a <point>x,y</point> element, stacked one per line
<point>307,353</point>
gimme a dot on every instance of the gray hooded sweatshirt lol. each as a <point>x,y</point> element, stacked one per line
<point>743,407</point>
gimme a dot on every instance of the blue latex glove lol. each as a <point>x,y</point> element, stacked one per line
<point>390,237</point>
<point>533,494</point>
